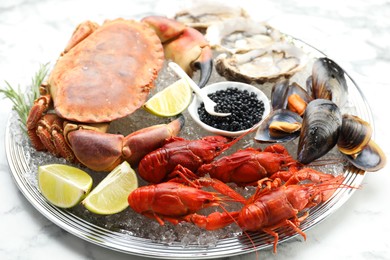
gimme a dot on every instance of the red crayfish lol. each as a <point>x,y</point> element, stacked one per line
<point>157,166</point>
<point>246,167</point>
<point>276,204</point>
<point>175,202</point>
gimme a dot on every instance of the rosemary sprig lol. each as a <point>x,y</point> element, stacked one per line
<point>23,101</point>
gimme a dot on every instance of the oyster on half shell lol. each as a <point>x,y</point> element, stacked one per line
<point>202,14</point>
<point>261,65</point>
<point>240,34</point>
<point>252,51</point>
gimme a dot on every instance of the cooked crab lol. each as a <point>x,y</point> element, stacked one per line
<point>106,73</point>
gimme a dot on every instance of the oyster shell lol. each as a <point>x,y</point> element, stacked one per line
<point>262,65</point>
<point>238,35</point>
<point>202,14</point>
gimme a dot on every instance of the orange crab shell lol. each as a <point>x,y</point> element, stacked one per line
<point>107,75</point>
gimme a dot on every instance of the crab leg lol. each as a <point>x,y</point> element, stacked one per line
<point>39,108</point>
<point>104,151</point>
<point>184,45</point>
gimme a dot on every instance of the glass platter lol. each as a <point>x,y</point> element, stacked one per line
<point>18,160</point>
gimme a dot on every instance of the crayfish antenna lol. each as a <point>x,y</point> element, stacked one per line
<point>327,161</point>
<point>234,220</point>
<point>222,188</point>
<point>237,139</point>
<point>328,187</point>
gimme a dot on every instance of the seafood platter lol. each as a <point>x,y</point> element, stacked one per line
<point>301,159</point>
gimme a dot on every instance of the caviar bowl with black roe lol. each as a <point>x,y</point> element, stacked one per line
<point>247,104</point>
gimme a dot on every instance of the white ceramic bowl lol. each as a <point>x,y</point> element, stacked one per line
<point>196,102</point>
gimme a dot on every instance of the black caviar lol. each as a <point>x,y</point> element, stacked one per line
<point>246,110</point>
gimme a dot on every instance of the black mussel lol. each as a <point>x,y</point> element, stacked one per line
<point>328,81</point>
<point>289,96</point>
<point>355,134</point>
<point>320,130</point>
<point>371,158</point>
<point>281,125</point>
<point>297,98</point>
<point>278,94</point>
<point>356,143</point>
<point>309,86</point>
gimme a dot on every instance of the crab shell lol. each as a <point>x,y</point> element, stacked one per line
<point>108,74</point>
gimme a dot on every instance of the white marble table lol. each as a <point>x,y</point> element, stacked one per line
<point>355,33</point>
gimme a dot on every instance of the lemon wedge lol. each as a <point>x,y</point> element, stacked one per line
<point>110,195</point>
<point>63,185</point>
<point>170,101</point>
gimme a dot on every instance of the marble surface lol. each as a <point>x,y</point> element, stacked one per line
<point>355,33</point>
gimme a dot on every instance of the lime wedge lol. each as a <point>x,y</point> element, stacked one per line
<point>63,185</point>
<point>171,101</point>
<point>110,195</point>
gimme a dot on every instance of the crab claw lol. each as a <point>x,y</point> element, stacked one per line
<point>102,151</point>
<point>184,45</point>
<point>82,31</point>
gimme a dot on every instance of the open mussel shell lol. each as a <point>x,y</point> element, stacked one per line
<point>320,130</point>
<point>297,98</point>
<point>309,86</point>
<point>279,93</point>
<point>267,135</point>
<point>370,159</point>
<point>282,97</point>
<point>328,81</point>
<point>355,134</point>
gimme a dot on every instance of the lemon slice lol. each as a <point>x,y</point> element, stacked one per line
<point>110,195</point>
<point>63,185</point>
<point>171,101</point>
